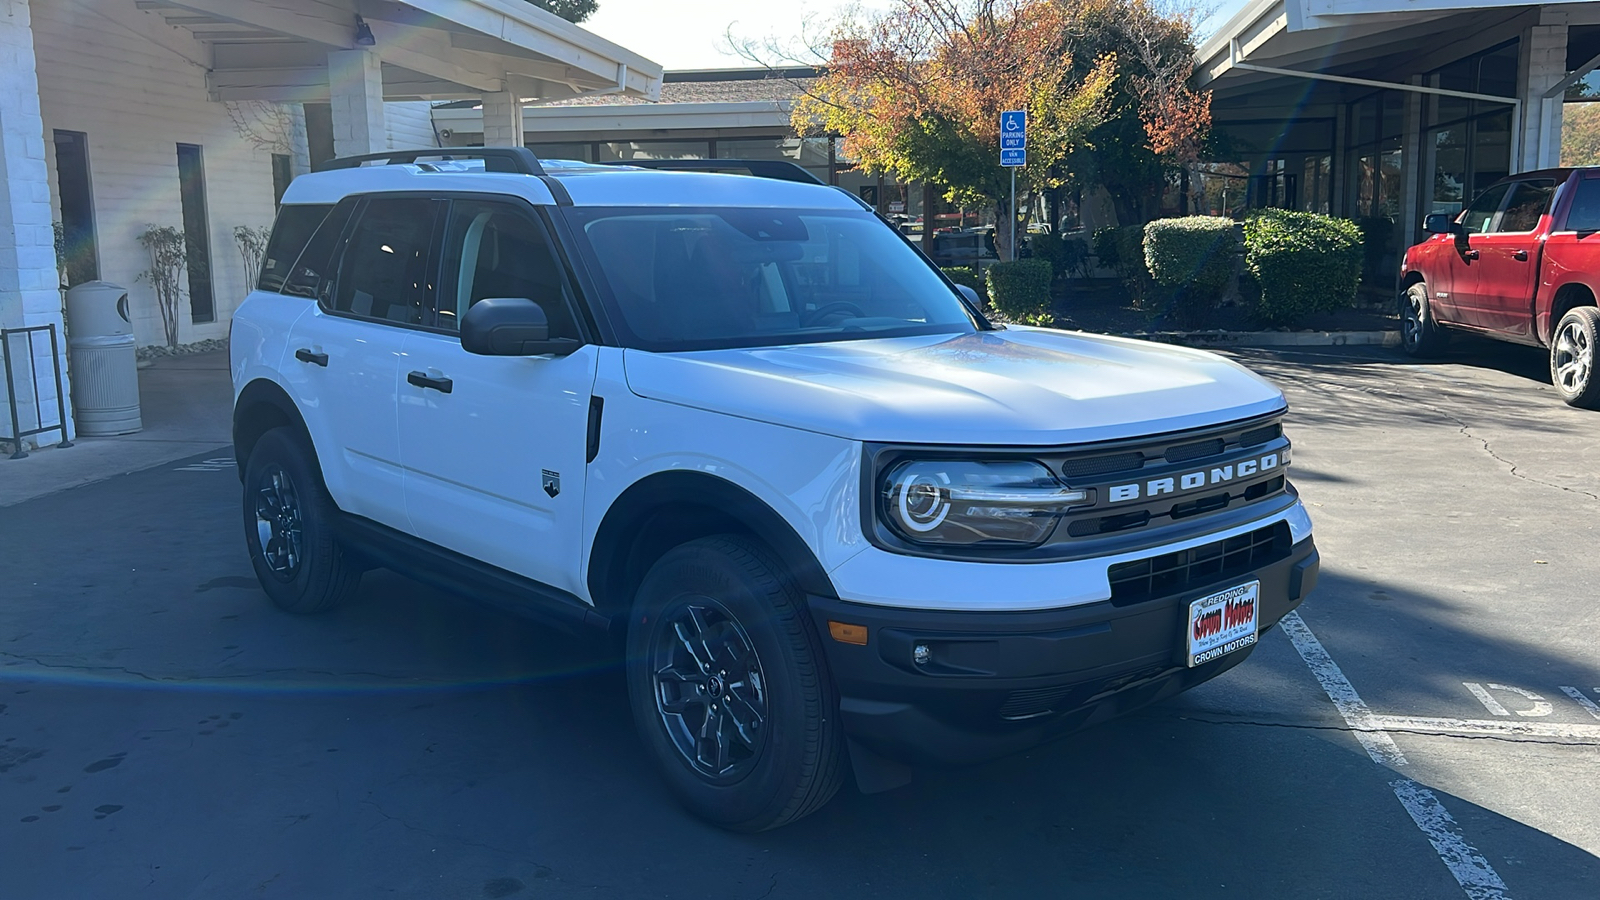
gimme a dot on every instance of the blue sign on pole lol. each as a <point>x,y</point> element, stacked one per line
<point>1017,157</point>
<point>1014,129</point>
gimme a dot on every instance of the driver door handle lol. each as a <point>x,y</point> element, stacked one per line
<point>1470,254</point>
<point>428,382</point>
<point>308,356</point>
<point>1521,255</point>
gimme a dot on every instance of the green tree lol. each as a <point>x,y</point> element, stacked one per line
<point>1155,122</point>
<point>1580,134</point>
<point>917,92</point>
<point>571,10</point>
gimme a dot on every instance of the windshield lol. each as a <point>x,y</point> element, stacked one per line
<point>691,279</point>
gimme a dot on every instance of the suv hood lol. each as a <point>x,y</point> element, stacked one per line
<point>1016,386</point>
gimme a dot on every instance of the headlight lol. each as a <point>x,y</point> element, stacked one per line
<point>960,502</point>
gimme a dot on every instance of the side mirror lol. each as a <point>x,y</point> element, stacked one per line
<point>510,326</point>
<point>970,295</point>
<point>1436,223</point>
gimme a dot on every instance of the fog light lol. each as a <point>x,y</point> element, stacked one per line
<point>921,655</point>
<point>848,634</point>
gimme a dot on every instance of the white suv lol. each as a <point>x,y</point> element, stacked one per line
<point>833,514</point>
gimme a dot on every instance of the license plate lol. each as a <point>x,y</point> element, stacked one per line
<point>1223,622</point>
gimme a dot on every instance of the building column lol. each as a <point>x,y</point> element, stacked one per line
<point>355,92</point>
<point>502,120</point>
<point>30,286</point>
<point>1541,65</point>
<point>1417,176</point>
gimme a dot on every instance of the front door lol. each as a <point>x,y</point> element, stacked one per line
<point>1460,303</point>
<point>494,447</point>
<point>1508,259</point>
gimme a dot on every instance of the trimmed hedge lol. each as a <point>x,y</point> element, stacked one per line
<point>968,276</point>
<point>1067,256</point>
<point>1304,263</point>
<point>1021,290</point>
<point>1193,256</point>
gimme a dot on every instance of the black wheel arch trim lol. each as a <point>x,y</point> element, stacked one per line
<point>666,509</point>
<point>260,407</point>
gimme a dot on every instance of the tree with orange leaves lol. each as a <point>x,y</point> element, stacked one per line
<point>918,92</point>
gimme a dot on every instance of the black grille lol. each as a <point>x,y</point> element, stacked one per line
<point>1261,435</point>
<point>1101,465</point>
<point>1174,573</point>
<point>1197,450</point>
<point>1108,524</point>
<point>1029,703</point>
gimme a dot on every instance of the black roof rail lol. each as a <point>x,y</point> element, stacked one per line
<point>776,169</point>
<point>515,160</point>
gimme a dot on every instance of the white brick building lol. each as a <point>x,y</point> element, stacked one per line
<point>116,115</point>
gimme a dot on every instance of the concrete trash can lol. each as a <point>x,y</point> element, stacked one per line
<point>105,362</point>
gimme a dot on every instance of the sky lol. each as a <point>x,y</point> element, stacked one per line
<point>691,34</point>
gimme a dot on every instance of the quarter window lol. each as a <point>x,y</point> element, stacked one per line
<point>499,250</point>
<point>1529,200</point>
<point>383,274</point>
<point>290,234</point>
<point>1585,213</point>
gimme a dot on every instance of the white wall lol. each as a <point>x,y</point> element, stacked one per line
<point>409,125</point>
<point>137,88</point>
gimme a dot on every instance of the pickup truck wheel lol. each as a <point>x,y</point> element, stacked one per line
<point>288,527</point>
<point>1572,357</point>
<point>729,686</point>
<point>1420,335</point>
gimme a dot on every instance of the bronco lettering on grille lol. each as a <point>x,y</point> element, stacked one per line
<point>1195,480</point>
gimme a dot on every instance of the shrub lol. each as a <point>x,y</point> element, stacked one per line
<point>1021,290</point>
<point>1104,242</point>
<point>1304,262</point>
<point>1194,257</point>
<point>1067,256</point>
<point>968,276</point>
<point>1131,268</point>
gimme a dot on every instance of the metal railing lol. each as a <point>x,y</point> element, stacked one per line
<point>8,339</point>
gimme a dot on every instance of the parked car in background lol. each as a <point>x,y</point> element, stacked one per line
<point>1520,264</point>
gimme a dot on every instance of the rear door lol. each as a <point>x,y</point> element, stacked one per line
<point>1572,251</point>
<point>494,447</point>
<point>1460,302</point>
<point>344,354</point>
<point>1508,259</point>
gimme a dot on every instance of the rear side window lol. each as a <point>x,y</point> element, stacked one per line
<point>1529,200</point>
<point>383,274</point>
<point>290,234</point>
<point>1585,212</point>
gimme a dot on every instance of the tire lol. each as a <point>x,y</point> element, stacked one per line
<point>1420,334</point>
<point>1572,357</point>
<point>288,527</point>
<point>720,616</point>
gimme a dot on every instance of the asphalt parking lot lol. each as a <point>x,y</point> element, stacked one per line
<point>1428,728</point>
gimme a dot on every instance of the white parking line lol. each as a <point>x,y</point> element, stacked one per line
<point>1586,734</point>
<point>1583,700</point>
<point>1477,878</point>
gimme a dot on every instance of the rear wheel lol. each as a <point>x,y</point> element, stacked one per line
<point>1572,357</point>
<point>288,526</point>
<point>729,687</point>
<point>1420,334</point>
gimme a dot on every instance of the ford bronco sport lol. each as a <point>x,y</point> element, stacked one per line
<point>839,521</point>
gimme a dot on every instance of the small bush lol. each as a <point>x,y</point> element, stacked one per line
<point>1194,257</point>
<point>1104,242</point>
<point>1131,268</point>
<point>1021,290</point>
<point>1304,262</point>
<point>1067,256</point>
<point>968,276</point>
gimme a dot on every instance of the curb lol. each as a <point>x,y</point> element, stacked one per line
<point>1270,338</point>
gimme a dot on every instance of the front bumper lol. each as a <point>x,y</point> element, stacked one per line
<point>997,683</point>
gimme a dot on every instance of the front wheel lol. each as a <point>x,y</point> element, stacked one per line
<point>729,687</point>
<point>1572,357</point>
<point>1420,334</point>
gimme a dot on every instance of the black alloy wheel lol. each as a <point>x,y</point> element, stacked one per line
<point>1420,335</point>
<point>278,528</point>
<point>729,686</point>
<point>289,527</point>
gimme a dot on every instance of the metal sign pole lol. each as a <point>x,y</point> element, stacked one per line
<point>1013,213</point>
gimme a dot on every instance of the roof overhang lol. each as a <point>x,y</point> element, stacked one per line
<point>1375,40</point>
<point>430,49</point>
<point>633,117</point>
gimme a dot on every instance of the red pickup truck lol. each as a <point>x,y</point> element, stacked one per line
<point>1521,264</point>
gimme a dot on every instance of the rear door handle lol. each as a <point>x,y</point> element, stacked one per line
<point>316,359</point>
<point>1521,255</point>
<point>427,382</point>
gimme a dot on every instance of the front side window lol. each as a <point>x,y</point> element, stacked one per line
<point>689,279</point>
<point>1529,201</point>
<point>383,273</point>
<point>500,250</point>
<point>1480,216</point>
